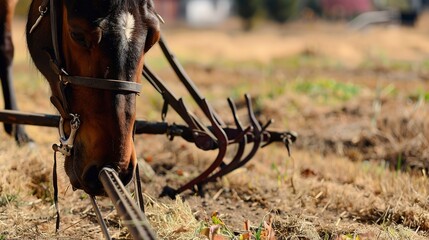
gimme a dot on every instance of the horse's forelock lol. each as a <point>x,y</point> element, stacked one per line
<point>128,24</point>
<point>95,10</point>
<point>92,10</point>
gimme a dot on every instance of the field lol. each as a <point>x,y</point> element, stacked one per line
<point>359,101</point>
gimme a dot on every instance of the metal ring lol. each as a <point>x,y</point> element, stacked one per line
<point>43,12</point>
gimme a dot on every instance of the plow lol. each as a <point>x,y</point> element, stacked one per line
<point>215,136</point>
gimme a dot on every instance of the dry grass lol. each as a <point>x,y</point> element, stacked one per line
<point>329,189</point>
<point>173,219</point>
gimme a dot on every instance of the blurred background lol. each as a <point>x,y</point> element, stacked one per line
<point>351,77</point>
<point>204,13</point>
<point>211,12</point>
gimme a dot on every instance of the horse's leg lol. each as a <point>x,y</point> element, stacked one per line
<point>7,8</point>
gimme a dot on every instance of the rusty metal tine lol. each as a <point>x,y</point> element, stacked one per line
<point>186,80</point>
<point>236,164</point>
<point>238,123</point>
<point>265,134</point>
<point>233,108</point>
<point>252,116</point>
<point>222,143</point>
<point>257,131</point>
<point>256,145</point>
<point>230,166</point>
<point>267,125</point>
<point>240,136</point>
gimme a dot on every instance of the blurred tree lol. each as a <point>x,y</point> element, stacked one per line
<point>247,10</point>
<point>282,10</point>
<point>314,5</point>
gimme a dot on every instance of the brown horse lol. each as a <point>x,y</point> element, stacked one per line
<point>91,52</point>
<point>7,8</point>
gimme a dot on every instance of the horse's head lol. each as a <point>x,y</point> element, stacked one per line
<point>102,39</point>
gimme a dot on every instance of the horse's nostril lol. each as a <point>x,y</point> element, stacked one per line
<point>90,178</point>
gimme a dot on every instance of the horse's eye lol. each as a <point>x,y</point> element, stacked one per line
<point>79,38</point>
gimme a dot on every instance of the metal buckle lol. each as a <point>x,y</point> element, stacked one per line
<point>62,72</point>
<point>66,143</point>
<point>42,11</point>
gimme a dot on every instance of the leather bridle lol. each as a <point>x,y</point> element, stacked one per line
<point>58,98</point>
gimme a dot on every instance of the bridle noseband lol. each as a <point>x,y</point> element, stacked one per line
<point>58,98</point>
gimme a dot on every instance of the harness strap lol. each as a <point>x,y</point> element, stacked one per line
<point>59,106</point>
<point>59,101</point>
<point>138,189</point>
<point>54,32</point>
<point>55,184</point>
<point>102,83</point>
<point>97,83</point>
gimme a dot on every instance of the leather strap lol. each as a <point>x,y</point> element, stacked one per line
<point>59,105</point>
<point>54,31</point>
<point>104,84</point>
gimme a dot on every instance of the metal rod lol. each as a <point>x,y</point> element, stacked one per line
<point>37,119</point>
<point>100,218</point>
<point>127,209</point>
<point>142,127</point>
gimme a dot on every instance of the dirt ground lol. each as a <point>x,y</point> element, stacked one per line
<point>359,101</point>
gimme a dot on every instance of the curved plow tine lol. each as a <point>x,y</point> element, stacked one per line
<point>242,133</point>
<point>257,139</point>
<point>241,138</point>
<point>267,125</point>
<point>222,143</point>
<point>234,114</point>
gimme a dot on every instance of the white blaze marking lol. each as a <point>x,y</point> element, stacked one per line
<point>126,21</point>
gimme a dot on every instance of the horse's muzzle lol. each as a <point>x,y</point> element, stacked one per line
<point>87,178</point>
<point>91,183</point>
